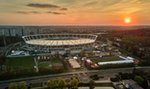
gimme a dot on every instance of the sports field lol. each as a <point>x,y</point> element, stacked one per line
<point>49,64</point>
<point>20,62</point>
<point>28,62</point>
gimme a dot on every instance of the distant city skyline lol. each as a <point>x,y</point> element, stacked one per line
<point>82,12</point>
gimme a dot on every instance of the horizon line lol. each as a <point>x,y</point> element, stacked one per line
<point>73,25</point>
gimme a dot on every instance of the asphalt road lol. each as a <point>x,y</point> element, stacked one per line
<point>106,73</point>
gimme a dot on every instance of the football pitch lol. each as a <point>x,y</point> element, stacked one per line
<point>29,63</point>
<point>20,62</point>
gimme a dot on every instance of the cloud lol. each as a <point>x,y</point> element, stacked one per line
<point>28,12</point>
<point>63,9</point>
<point>22,12</point>
<point>90,3</point>
<point>51,6</point>
<point>129,7</point>
<point>113,7</point>
<point>39,5</point>
<point>56,13</point>
<point>66,2</point>
<point>49,12</point>
<point>36,12</point>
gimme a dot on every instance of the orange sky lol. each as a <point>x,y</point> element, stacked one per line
<point>103,12</point>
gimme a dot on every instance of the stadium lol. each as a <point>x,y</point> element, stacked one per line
<point>59,43</point>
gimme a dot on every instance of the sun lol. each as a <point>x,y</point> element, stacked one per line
<point>127,20</point>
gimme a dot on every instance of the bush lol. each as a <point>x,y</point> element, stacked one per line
<point>139,79</point>
<point>33,85</point>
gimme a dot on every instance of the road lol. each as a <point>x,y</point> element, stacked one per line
<point>44,78</point>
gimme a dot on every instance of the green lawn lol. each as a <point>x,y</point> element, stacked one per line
<point>20,62</point>
<point>105,59</point>
<point>44,64</point>
<point>21,67</point>
<point>48,64</point>
<point>56,61</point>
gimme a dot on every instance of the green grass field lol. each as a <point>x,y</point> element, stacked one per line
<point>48,64</point>
<point>20,62</point>
<point>28,62</point>
<point>105,59</point>
<point>21,67</point>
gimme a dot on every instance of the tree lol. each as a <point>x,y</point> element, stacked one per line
<point>50,84</point>
<point>2,60</point>
<point>22,85</point>
<point>139,80</point>
<point>82,53</point>
<point>74,83</point>
<point>55,82</point>
<point>91,83</point>
<point>61,84</point>
<point>12,86</point>
<point>68,83</point>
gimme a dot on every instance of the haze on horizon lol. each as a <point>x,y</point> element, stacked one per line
<point>104,12</point>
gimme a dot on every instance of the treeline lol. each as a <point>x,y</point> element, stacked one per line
<point>9,40</point>
<point>136,42</point>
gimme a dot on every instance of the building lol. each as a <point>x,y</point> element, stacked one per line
<point>59,43</point>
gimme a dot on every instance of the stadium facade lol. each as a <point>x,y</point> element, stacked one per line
<point>59,43</point>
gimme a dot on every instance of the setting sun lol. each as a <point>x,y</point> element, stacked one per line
<point>127,20</point>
